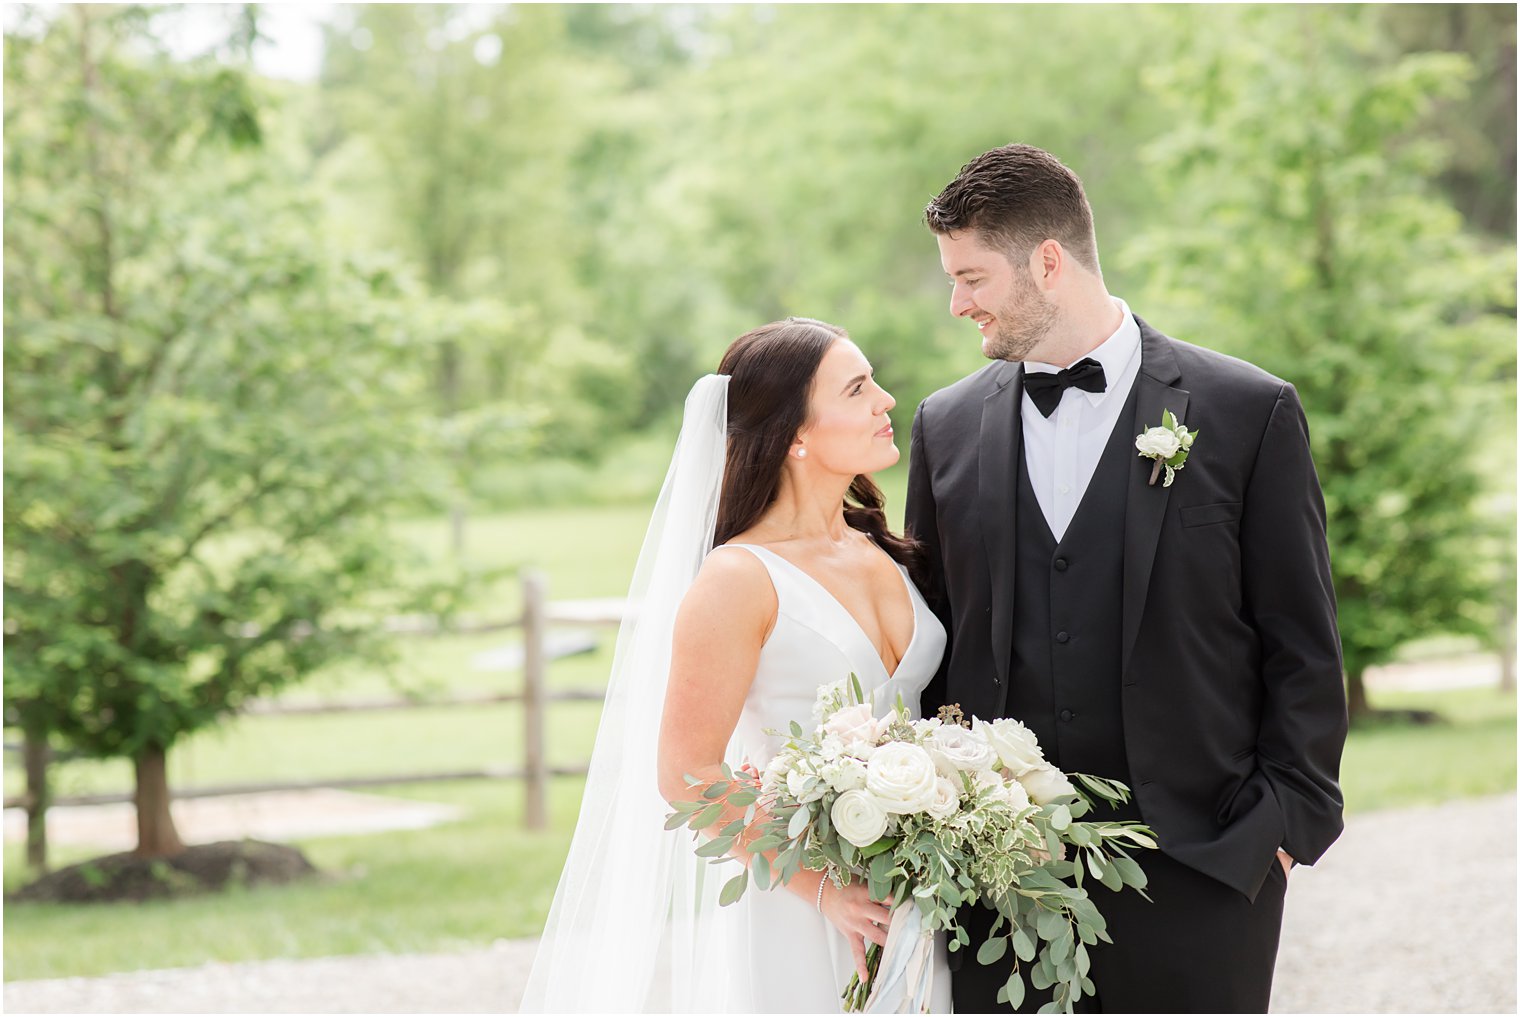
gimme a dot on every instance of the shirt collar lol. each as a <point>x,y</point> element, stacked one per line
<point>1115,354</point>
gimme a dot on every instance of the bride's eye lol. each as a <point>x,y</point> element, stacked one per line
<point>856,390</point>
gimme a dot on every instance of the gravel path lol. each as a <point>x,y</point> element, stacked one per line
<point>1376,927</point>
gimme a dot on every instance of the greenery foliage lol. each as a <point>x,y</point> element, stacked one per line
<point>206,405</point>
<point>1318,248</point>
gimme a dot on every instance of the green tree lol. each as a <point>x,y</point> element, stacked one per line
<point>1307,236</point>
<point>205,405</point>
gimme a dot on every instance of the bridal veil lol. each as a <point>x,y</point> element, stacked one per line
<point>635,924</point>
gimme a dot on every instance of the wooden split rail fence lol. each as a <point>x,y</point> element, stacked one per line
<point>539,647</point>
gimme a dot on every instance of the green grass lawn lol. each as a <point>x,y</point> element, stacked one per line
<point>482,877</point>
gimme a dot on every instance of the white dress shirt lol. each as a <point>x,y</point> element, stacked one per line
<point>1061,451</point>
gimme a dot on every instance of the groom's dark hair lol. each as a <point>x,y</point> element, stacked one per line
<point>1016,197</point>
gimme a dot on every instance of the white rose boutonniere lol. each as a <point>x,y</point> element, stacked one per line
<point>1168,445</point>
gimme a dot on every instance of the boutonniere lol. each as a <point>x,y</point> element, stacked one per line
<point>1168,445</point>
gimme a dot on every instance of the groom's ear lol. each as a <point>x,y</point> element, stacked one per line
<point>1048,263</point>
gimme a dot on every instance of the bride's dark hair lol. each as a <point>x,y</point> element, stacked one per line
<point>771,373</point>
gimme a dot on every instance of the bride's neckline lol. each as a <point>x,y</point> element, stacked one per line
<point>859,628</point>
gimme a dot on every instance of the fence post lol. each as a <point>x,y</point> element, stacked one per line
<point>535,771</point>
<point>35,752</point>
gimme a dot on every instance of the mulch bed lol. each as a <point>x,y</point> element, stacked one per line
<point>203,868</point>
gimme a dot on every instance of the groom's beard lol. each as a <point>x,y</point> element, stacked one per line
<point>1021,324</point>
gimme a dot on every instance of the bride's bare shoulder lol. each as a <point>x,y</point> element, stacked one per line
<point>732,588</point>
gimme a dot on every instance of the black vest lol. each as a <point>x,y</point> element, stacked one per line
<point>1068,623</point>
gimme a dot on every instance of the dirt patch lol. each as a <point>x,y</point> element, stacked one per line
<point>203,868</point>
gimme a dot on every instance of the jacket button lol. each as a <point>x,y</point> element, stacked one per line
<point>1062,637</point>
<point>1060,564</point>
<point>1067,715</point>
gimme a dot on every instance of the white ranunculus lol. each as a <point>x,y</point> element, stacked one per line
<point>955,749</point>
<point>1045,784</point>
<point>796,785</point>
<point>854,724</point>
<point>1014,744</point>
<point>902,777</point>
<point>947,799</point>
<point>845,774</point>
<point>1186,437</point>
<point>859,818</point>
<point>1159,441</point>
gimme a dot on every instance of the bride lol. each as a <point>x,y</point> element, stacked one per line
<point>768,570</point>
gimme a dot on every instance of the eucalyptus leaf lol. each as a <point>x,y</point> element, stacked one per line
<point>733,889</point>
<point>760,869</point>
<point>1049,924</point>
<point>715,848</point>
<point>800,820</point>
<point>1014,990</point>
<point>992,950</point>
<point>1129,871</point>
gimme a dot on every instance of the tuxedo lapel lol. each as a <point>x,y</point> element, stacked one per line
<point>1145,505</point>
<point>1001,438</point>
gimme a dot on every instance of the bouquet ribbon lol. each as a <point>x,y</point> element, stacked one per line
<point>904,980</point>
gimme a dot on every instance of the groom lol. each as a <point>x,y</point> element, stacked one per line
<point>1181,638</point>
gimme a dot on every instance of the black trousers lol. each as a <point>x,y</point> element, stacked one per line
<point>1197,946</point>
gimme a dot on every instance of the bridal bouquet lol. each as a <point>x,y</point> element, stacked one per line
<point>934,814</point>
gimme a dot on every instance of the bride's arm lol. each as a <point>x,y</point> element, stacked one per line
<point>722,623</point>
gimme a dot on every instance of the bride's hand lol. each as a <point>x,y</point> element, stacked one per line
<point>854,913</point>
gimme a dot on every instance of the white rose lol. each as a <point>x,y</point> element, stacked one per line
<point>859,818</point>
<point>902,777</point>
<point>845,774</point>
<point>1014,744</point>
<point>1159,441</point>
<point>955,749</point>
<point>1016,796</point>
<point>796,783</point>
<point>947,799</point>
<point>1045,784</point>
<point>776,771</point>
<point>854,724</point>
<point>992,786</point>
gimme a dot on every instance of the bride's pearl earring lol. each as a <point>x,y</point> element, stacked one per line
<point>802,453</point>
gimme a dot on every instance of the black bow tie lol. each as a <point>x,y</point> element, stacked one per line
<point>1045,389</point>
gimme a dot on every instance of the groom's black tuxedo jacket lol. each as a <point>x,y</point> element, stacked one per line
<point>1234,712</point>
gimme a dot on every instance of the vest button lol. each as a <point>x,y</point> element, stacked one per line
<point>1062,637</point>
<point>1060,564</point>
<point>1067,715</point>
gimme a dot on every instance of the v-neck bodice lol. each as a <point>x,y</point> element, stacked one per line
<point>817,641</point>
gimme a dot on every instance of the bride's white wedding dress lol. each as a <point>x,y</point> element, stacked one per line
<point>797,962</point>
<point>635,924</point>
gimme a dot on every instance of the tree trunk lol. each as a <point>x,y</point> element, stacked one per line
<point>36,753</point>
<point>1356,694</point>
<point>156,835</point>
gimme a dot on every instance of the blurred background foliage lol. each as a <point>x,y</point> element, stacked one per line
<point>457,283</point>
